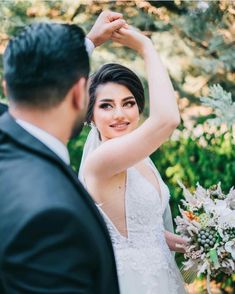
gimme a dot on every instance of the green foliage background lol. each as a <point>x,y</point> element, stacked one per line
<point>196,42</point>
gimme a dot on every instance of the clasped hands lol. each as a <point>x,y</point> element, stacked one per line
<point>111,26</point>
<point>106,24</point>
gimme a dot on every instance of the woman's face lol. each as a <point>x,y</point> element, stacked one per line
<point>116,112</point>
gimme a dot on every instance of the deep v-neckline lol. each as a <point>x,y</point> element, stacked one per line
<point>126,238</point>
<point>160,195</point>
<point>160,192</point>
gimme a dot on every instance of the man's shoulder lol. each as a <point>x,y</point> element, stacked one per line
<point>37,176</point>
<point>33,166</point>
<point>34,180</point>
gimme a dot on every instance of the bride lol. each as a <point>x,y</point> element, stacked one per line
<point>118,173</point>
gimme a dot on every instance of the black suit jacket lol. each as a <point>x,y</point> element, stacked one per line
<point>3,108</point>
<point>52,237</point>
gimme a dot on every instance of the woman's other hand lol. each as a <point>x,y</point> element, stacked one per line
<point>175,242</point>
<point>105,25</point>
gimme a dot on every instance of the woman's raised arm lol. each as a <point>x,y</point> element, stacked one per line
<point>116,155</point>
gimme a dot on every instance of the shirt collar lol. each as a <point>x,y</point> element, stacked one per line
<point>47,139</point>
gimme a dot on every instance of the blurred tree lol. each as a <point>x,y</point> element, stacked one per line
<point>195,38</point>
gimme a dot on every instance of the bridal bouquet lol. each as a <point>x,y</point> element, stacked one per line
<point>207,221</point>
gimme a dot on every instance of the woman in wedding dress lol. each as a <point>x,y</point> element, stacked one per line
<point>118,173</point>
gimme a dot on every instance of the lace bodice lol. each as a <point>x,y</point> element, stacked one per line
<point>144,206</point>
<point>144,209</point>
<point>144,249</point>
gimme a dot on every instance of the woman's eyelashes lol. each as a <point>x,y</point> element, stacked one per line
<point>105,106</point>
<point>127,104</point>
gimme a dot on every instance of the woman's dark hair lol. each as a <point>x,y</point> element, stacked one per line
<point>118,74</point>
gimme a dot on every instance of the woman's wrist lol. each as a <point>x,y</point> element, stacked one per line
<point>147,48</point>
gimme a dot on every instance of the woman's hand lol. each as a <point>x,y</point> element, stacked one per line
<point>105,25</point>
<point>132,38</point>
<point>175,242</point>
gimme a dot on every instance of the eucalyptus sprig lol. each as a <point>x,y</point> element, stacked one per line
<point>222,104</point>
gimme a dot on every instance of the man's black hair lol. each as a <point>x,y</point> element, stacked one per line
<point>43,62</point>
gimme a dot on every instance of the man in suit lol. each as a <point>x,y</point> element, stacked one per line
<point>52,237</point>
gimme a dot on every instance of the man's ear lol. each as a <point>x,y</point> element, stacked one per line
<point>80,94</point>
<point>4,86</point>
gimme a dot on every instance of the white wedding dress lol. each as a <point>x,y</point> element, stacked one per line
<point>144,262</point>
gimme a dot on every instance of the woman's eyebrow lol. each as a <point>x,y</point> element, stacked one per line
<point>127,98</point>
<point>111,100</point>
<point>106,100</point>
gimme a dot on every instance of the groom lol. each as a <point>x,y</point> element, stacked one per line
<point>52,237</point>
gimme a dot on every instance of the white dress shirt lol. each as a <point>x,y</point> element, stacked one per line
<point>47,139</point>
<point>89,46</point>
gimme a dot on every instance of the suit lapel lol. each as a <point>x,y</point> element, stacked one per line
<point>33,145</point>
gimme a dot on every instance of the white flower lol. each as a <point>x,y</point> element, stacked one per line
<point>232,204</point>
<point>201,193</point>
<point>191,200</point>
<point>209,205</point>
<point>188,264</point>
<point>230,247</point>
<point>224,214</point>
<point>220,231</point>
<point>205,266</point>
<point>221,208</point>
<point>227,217</point>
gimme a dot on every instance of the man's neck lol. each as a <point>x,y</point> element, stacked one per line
<point>48,120</point>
